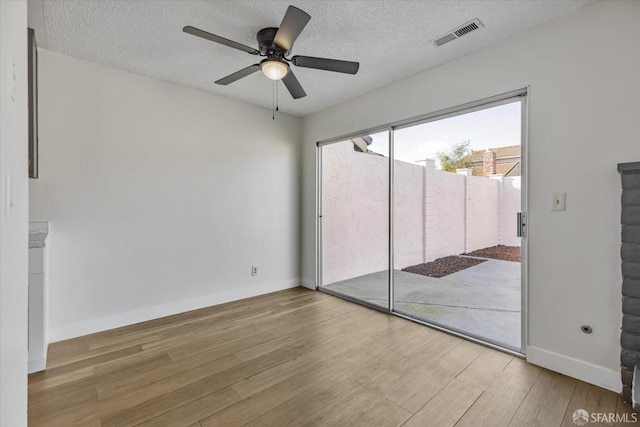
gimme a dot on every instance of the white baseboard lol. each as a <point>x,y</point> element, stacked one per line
<point>118,320</point>
<point>36,365</point>
<point>308,283</point>
<point>576,368</point>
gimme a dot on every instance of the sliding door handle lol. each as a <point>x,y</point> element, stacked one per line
<point>522,224</point>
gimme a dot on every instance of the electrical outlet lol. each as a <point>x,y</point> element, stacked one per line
<point>254,271</point>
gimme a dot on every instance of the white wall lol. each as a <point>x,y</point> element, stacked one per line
<point>160,198</point>
<point>409,221</point>
<point>584,118</point>
<point>445,231</point>
<point>13,218</point>
<point>482,213</point>
<point>355,212</point>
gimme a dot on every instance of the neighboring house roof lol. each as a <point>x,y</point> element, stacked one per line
<point>361,143</point>
<point>501,169</point>
<point>507,160</point>
<point>505,168</point>
<point>512,150</point>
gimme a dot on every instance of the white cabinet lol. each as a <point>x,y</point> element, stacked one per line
<point>38,232</point>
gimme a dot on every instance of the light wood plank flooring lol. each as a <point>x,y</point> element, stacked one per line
<point>297,358</point>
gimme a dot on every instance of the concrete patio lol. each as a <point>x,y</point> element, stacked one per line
<point>483,300</point>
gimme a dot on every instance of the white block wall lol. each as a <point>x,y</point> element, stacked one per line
<point>436,213</point>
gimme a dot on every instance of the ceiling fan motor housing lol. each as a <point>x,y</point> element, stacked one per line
<point>265,42</point>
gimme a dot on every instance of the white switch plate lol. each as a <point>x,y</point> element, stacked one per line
<point>558,201</point>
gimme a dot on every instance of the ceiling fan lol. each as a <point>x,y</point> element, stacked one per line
<point>275,45</point>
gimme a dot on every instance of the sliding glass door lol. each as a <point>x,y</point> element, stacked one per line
<point>456,197</point>
<point>354,218</point>
<point>436,202</point>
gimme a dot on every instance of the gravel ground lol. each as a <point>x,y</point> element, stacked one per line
<point>504,253</point>
<point>443,266</point>
<point>451,264</point>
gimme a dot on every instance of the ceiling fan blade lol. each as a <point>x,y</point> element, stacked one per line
<point>293,85</point>
<point>230,43</point>
<point>336,65</point>
<point>238,74</point>
<point>290,28</point>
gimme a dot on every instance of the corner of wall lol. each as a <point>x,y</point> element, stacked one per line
<point>308,283</point>
<point>584,371</point>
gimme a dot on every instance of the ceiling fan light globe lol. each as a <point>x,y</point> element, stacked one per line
<point>274,70</point>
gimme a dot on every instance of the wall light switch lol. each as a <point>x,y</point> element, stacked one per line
<point>558,201</point>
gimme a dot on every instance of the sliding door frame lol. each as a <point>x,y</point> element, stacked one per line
<point>521,95</point>
<point>524,207</point>
<point>318,256</point>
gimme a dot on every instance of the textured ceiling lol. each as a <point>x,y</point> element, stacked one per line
<point>391,39</point>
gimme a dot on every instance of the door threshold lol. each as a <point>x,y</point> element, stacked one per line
<point>464,335</point>
<point>469,337</point>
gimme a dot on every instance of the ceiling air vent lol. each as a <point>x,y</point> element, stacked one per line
<point>458,32</point>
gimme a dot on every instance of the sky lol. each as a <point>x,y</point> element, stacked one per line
<point>488,128</point>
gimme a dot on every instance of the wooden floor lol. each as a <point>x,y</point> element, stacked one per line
<point>298,358</point>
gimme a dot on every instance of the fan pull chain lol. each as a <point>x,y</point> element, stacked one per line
<point>274,100</point>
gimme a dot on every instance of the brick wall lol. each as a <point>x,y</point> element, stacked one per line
<point>488,163</point>
<point>630,255</point>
